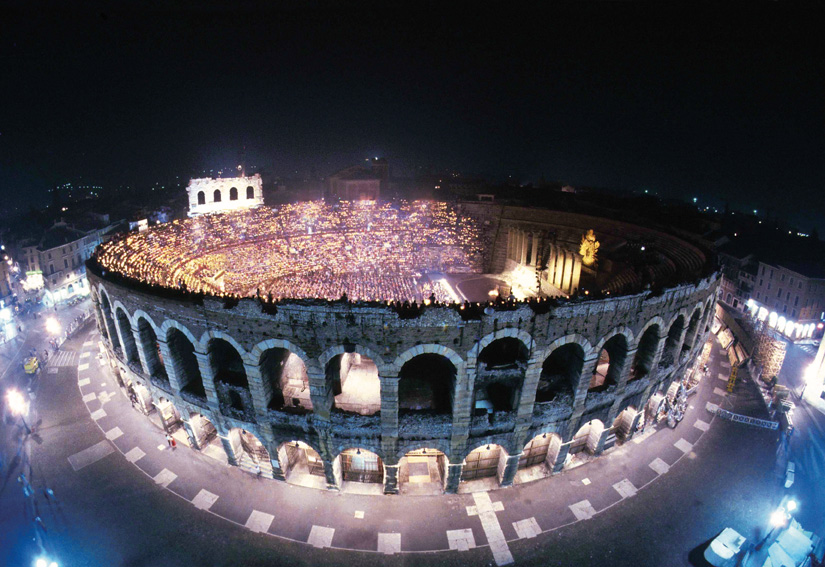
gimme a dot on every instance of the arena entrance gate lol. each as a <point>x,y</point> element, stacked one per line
<point>484,462</point>
<point>422,472</point>
<point>301,464</point>
<point>361,466</point>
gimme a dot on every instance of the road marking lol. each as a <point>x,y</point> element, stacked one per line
<point>683,446</point>
<point>586,481</point>
<point>583,510</point>
<point>88,343</point>
<point>134,455</point>
<point>101,413</point>
<point>625,488</point>
<point>359,514</point>
<point>660,466</point>
<point>84,382</point>
<point>724,376</point>
<point>389,543</point>
<point>165,477</point>
<point>259,522</point>
<point>91,455</point>
<point>113,434</point>
<point>492,529</point>
<point>701,425</point>
<point>204,500</point>
<point>719,392</point>
<point>83,366</point>
<point>89,397</point>
<point>320,536</point>
<point>527,529</point>
<point>461,540</point>
<point>84,355</point>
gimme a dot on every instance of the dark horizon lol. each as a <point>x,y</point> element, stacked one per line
<point>721,107</point>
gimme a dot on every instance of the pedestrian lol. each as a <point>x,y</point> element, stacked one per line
<point>169,439</point>
<point>173,443</point>
<point>258,469</point>
<point>49,493</point>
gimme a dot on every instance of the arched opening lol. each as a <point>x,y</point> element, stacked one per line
<point>587,438</point>
<point>484,462</point>
<point>539,457</point>
<point>422,472</point>
<point>360,465</point>
<point>206,436</point>
<point>355,383</point>
<point>151,349</point>
<point>201,198</point>
<point>129,347</point>
<point>285,381</point>
<point>170,419</point>
<point>671,350</point>
<point>109,321</point>
<point>693,327</point>
<point>185,364</point>
<point>624,423</point>
<point>70,289</point>
<point>645,353</point>
<point>427,383</point>
<point>301,465</point>
<point>560,375</point>
<point>500,376</point>
<point>230,377</point>
<point>233,193</point>
<point>655,409</point>
<point>250,192</point>
<point>609,367</point>
<point>216,196</point>
<point>141,397</point>
<point>250,453</point>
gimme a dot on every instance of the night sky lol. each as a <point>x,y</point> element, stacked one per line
<point>695,104</point>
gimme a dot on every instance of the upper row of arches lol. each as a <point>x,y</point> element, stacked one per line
<point>217,195</point>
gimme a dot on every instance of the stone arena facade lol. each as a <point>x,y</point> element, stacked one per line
<point>331,393</point>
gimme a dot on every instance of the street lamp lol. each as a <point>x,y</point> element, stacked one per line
<point>779,519</point>
<point>18,405</point>
<point>53,326</point>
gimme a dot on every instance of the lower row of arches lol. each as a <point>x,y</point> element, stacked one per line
<point>422,470</point>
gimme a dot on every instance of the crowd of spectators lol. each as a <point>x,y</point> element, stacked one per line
<point>367,251</point>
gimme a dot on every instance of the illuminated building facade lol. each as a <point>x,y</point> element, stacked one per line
<point>210,195</point>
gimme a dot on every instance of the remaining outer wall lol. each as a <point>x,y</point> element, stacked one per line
<point>209,186</point>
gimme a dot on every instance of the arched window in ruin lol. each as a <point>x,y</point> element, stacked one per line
<point>422,472</point>
<point>285,381</point>
<point>609,367</point>
<point>216,196</point>
<point>250,192</point>
<point>587,438</point>
<point>106,307</point>
<point>560,375</point>
<point>151,349</point>
<point>301,464</point>
<point>541,450</point>
<point>233,194</point>
<point>250,453</point>
<point>201,198</point>
<point>129,347</point>
<point>483,462</point>
<point>355,383</point>
<point>693,328</point>
<point>670,353</point>
<point>230,375</point>
<point>500,375</point>
<point>184,363</point>
<point>427,383</point>
<point>360,465</point>
<point>645,353</point>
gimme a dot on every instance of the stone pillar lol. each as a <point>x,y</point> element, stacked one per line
<point>524,414</point>
<point>588,368</point>
<point>101,323</point>
<point>332,472</point>
<point>453,477</point>
<point>229,449</point>
<point>534,250</point>
<point>559,275</point>
<point>510,470</point>
<point>567,279</point>
<point>636,418</point>
<point>389,414</point>
<point>561,457</point>
<point>577,271</point>
<point>110,328</point>
<point>602,438</point>
<point>190,433</point>
<point>320,393</point>
<point>462,406</point>
<point>143,356</point>
<point>208,378</point>
<point>260,401</point>
<point>172,366</point>
<point>390,479</point>
<point>627,370</point>
<point>523,255</point>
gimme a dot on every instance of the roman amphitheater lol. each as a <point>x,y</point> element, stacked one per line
<point>402,347</point>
